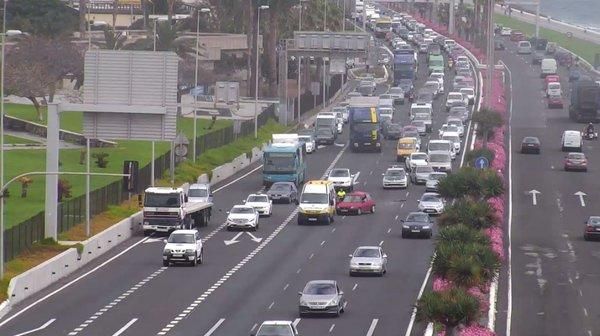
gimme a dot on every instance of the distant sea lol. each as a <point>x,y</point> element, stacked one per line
<point>584,13</point>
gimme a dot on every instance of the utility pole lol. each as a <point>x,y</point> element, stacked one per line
<point>490,53</point>
<point>2,143</point>
<point>257,74</point>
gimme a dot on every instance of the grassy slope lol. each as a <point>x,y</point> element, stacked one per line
<point>580,47</point>
<point>9,139</point>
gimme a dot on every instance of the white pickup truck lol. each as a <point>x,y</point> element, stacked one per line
<point>167,209</point>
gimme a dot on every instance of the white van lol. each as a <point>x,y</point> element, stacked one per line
<point>524,47</point>
<point>549,67</point>
<point>571,141</point>
<point>441,145</point>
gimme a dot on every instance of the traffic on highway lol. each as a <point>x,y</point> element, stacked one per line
<point>333,231</point>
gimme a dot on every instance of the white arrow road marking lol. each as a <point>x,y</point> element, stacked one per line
<point>534,194</point>
<point>581,194</point>
<point>215,327</point>
<point>153,240</point>
<point>255,239</point>
<point>234,239</point>
<point>125,327</point>
<point>295,323</point>
<point>372,327</point>
<point>44,326</point>
<point>355,181</point>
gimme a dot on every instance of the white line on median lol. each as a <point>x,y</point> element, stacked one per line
<point>372,327</point>
<point>42,327</point>
<point>215,327</point>
<point>125,327</point>
<point>510,208</point>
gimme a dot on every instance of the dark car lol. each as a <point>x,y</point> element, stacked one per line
<point>391,130</point>
<point>357,203</point>
<point>592,228</point>
<point>417,224</point>
<point>531,145</point>
<point>499,45</point>
<point>324,136</point>
<point>283,192</point>
<point>537,57</point>
<point>575,161</point>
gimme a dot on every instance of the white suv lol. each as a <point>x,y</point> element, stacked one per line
<point>183,246</point>
<point>261,203</point>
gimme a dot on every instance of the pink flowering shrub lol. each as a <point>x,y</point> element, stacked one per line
<point>440,284</point>
<point>496,238</point>
<point>475,330</point>
<point>481,297</point>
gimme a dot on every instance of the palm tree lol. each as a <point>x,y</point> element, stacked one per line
<point>450,308</point>
<point>466,264</point>
<point>464,183</point>
<point>478,215</point>
<point>487,120</point>
<point>461,234</point>
<point>113,40</point>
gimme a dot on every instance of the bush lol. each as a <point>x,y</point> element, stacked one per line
<point>450,308</point>
<point>101,160</point>
<point>477,215</point>
<point>463,234</point>
<point>474,154</point>
<point>465,265</point>
<point>491,184</point>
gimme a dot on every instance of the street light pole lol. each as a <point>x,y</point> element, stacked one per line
<point>256,71</point>
<point>325,17</point>
<point>200,10</point>
<point>490,53</point>
<point>154,35</point>
<point>2,143</point>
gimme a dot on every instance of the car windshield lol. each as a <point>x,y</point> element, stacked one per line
<point>419,156</point>
<point>406,145</point>
<point>437,176</point>
<point>418,123</point>
<point>396,91</point>
<point>439,157</point>
<point>424,169</point>
<point>353,198</point>
<point>324,132</point>
<point>430,198</point>
<point>367,253</point>
<point>385,96</point>
<point>456,123</point>
<point>594,221</point>
<point>417,217</point>
<point>394,127</point>
<point>314,198</point>
<point>181,238</point>
<point>395,172</point>
<point>257,198</point>
<point>576,156</point>
<point>438,146</point>
<point>530,140</point>
<point>198,193</point>
<point>339,173</point>
<point>554,86</point>
<point>455,96</point>
<point>242,210</point>
<point>274,330</point>
<point>452,138</point>
<point>319,289</point>
<point>279,186</point>
<point>161,200</point>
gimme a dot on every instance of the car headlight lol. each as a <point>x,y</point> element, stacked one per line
<point>405,226</point>
<point>303,302</point>
<point>353,264</point>
<point>356,144</point>
<point>189,251</point>
<point>333,302</point>
<point>166,251</point>
<point>439,206</point>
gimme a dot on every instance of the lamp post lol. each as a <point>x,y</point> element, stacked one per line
<point>2,142</point>
<point>200,10</point>
<point>256,71</point>
<point>325,17</point>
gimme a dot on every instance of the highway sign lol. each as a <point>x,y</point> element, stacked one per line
<point>482,162</point>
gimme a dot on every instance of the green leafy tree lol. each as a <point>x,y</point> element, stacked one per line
<point>49,18</point>
<point>486,121</point>
<point>478,215</point>
<point>449,308</point>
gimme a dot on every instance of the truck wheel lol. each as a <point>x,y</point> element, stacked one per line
<point>165,263</point>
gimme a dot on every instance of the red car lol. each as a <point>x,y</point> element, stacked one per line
<point>516,36</point>
<point>555,101</point>
<point>575,161</point>
<point>356,202</point>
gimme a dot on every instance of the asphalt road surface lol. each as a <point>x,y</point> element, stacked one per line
<point>241,284</point>
<point>554,272</point>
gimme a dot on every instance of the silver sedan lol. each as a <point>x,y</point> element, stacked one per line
<point>368,259</point>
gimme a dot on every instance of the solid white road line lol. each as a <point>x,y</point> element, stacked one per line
<point>35,303</point>
<point>125,327</point>
<point>414,312</point>
<point>42,327</point>
<point>510,208</point>
<point>237,179</point>
<point>215,327</point>
<point>372,327</point>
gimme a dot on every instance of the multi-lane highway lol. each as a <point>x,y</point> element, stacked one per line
<point>241,284</point>
<point>554,272</point>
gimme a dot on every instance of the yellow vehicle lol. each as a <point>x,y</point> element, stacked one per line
<point>405,147</point>
<point>317,203</point>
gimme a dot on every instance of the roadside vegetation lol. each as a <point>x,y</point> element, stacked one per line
<point>584,49</point>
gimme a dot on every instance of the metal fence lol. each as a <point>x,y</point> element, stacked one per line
<point>72,211</point>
